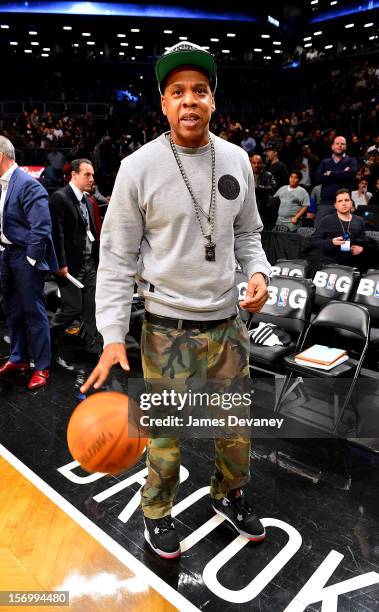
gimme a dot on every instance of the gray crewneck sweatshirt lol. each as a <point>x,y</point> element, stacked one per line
<point>150,233</point>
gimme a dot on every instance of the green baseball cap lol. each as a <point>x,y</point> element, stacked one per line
<point>182,54</point>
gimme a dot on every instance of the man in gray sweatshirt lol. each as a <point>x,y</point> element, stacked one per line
<point>183,209</point>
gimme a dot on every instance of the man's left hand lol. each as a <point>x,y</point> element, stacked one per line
<point>356,249</point>
<point>256,293</point>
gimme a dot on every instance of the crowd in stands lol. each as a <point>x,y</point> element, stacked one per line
<point>296,135</point>
<point>290,141</point>
<point>291,154</point>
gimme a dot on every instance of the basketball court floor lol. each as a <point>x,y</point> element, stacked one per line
<point>64,530</point>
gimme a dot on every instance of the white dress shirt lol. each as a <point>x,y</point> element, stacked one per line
<point>79,194</point>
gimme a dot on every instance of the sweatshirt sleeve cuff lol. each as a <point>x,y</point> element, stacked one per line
<point>259,267</point>
<point>113,333</point>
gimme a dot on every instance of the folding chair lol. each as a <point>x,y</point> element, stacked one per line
<point>374,235</point>
<point>334,282</point>
<point>289,306</point>
<point>367,294</point>
<point>291,267</point>
<point>332,318</point>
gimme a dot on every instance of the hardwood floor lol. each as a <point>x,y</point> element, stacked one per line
<point>41,548</point>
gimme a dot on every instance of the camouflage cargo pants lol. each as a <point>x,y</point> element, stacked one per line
<point>219,353</point>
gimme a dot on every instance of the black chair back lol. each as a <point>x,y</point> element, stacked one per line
<point>291,267</point>
<point>367,293</point>
<point>354,318</point>
<point>334,282</point>
<point>289,304</point>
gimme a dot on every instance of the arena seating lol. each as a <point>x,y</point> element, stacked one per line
<point>335,282</point>
<point>332,318</point>
<point>291,267</point>
<point>289,307</point>
<point>367,294</point>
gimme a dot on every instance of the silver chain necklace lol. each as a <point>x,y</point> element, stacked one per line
<point>210,246</point>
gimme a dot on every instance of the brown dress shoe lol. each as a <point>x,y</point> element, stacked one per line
<point>11,366</point>
<point>39,379</point>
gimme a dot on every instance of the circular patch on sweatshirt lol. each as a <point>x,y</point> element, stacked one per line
<point>229,187</point>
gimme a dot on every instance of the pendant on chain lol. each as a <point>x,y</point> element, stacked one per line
<point>210,251</point>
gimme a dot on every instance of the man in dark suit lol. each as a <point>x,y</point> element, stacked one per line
<point>76,243</point>
<point>25,226</point>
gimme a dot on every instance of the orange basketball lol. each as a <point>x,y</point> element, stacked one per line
<point>100,436</point>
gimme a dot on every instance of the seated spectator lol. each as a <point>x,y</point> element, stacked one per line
<point>311,55</point>
<point>375,147</point>
<point>364,172</point>
<point>361,196</point>
<point>235,131</point>
<point>56,159</point>
<point>58,132</point>
<point>263,143</point>
<point>275,166</point>
<point>340,236</point>
<point>275,137</point>
<point>374,201</point>
<point>355,148</point>
<point>265,188</point>
<point>372,168</point>
<point>290,151</point>
<point>248,143</point>
<point>307,164</point>
<point>294,202</point>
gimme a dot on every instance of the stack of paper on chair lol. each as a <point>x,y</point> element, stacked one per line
<point>321,357</point>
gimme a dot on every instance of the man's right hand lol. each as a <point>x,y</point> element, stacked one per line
<point>63,271</point>
<point>113,353</point>
<point>338,241</point>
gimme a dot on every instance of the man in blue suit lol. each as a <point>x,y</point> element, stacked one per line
<point>25,235</point>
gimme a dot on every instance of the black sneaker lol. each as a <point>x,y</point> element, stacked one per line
<point>162,537</point>
<point>238,513</point>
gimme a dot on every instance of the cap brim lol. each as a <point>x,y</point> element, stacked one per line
<point>169,62</point>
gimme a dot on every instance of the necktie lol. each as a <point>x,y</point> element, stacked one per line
<point>84,210</point>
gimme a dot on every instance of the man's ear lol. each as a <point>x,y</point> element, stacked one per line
<point>163,105</point>
<point>213,104</point>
